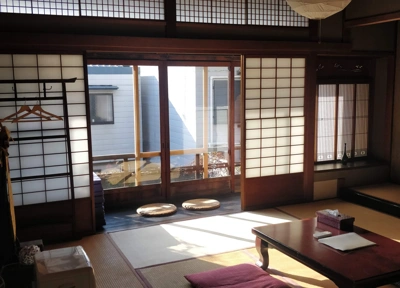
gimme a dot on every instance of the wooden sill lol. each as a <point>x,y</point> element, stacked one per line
<point>324,167</point>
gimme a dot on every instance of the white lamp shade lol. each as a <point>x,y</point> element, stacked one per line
<point>318,9</point>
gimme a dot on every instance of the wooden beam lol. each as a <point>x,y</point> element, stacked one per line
<point>205,121</point>
<point>170,17</point>
<point>168,28</point>
<point>26,23</point>
<point>372,20</point>
<point>310,126</point>
<point>391,80</point>
<point>92,43</point>
<point>136,121</point>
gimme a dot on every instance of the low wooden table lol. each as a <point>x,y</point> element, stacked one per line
<point>371,266</point>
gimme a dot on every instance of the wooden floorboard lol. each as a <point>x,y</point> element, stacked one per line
<point>124,219</point>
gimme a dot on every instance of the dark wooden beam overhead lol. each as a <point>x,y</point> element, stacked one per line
<point>95,43</point>
<point>170,17</point>
<point>372,20</point>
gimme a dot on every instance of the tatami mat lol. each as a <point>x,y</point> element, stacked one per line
<point>386,191</point>
<point>111,270</point>
<point>193,238</point>
<point>172,275</point>
<point>366,218</point>
<point>282,267</point>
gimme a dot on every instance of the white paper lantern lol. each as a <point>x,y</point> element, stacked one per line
<point>317,9</point>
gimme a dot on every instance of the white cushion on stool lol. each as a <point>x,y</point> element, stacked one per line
<point>65,267</point>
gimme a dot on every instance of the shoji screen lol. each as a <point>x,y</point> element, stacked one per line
<point>274,122</point>
<point>274,114</point>
<point>49,160</point>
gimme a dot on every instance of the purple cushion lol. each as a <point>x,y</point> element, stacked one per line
<point>242,275</point>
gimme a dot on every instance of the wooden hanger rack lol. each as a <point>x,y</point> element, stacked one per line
<point>22,115</point>
<point>37,110</point>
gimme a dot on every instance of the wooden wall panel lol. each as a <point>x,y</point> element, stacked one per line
<point>395,152</point>
<point>190,189</point>
<point>84,217</point>
<point>47,221</point>
<point>309,129</point>
<point>128,197</point>
<point>51,221</point>
<point>362,8</point>
<point>275,190</point>
<point>131,197</point>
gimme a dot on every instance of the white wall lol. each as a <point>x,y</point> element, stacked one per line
<point>182,105</point>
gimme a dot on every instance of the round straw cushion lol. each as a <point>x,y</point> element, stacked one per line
<point>201,204</point>
<point>157,209</point>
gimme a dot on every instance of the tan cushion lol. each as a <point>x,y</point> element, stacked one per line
<point>201,204</point>
<point>157,209</point>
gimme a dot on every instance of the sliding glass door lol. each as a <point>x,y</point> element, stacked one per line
<point>198,122</point>
<point>125,118</point>
<point>154,126</point>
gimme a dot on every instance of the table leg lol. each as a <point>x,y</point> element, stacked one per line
<point>262,249</point>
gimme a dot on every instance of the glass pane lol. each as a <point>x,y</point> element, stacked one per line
<point>111,86</point>
<point>237,125</point>
<point>149,109</point>
<point>101,108</point>
<point>121,138</point>
<point>326,122</point>
<point>198,119</point>
<point>351,121</point>
<point>361,139</point>
<point>345,119</point>
<point>128,172</point>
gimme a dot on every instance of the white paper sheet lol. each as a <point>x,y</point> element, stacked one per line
<point>346,241</point>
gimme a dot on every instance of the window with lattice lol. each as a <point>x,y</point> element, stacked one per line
<point>342,117</point>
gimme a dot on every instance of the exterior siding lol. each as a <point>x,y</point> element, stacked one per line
<point>115,138</point>
<point>185,110</point>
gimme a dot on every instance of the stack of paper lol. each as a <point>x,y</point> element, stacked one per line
<point>348,241</point>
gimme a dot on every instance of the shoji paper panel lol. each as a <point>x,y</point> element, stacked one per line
<point>274,116</point>
<point>39,158</point>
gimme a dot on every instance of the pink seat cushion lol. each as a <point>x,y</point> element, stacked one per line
<point>242,275</point>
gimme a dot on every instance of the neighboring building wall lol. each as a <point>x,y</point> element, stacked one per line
<point>114,138</point>
<point>182,108</point>
<point>150,113</point>
<point>199,107</point>
<point>185,109</point>
<point>218,100</point>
